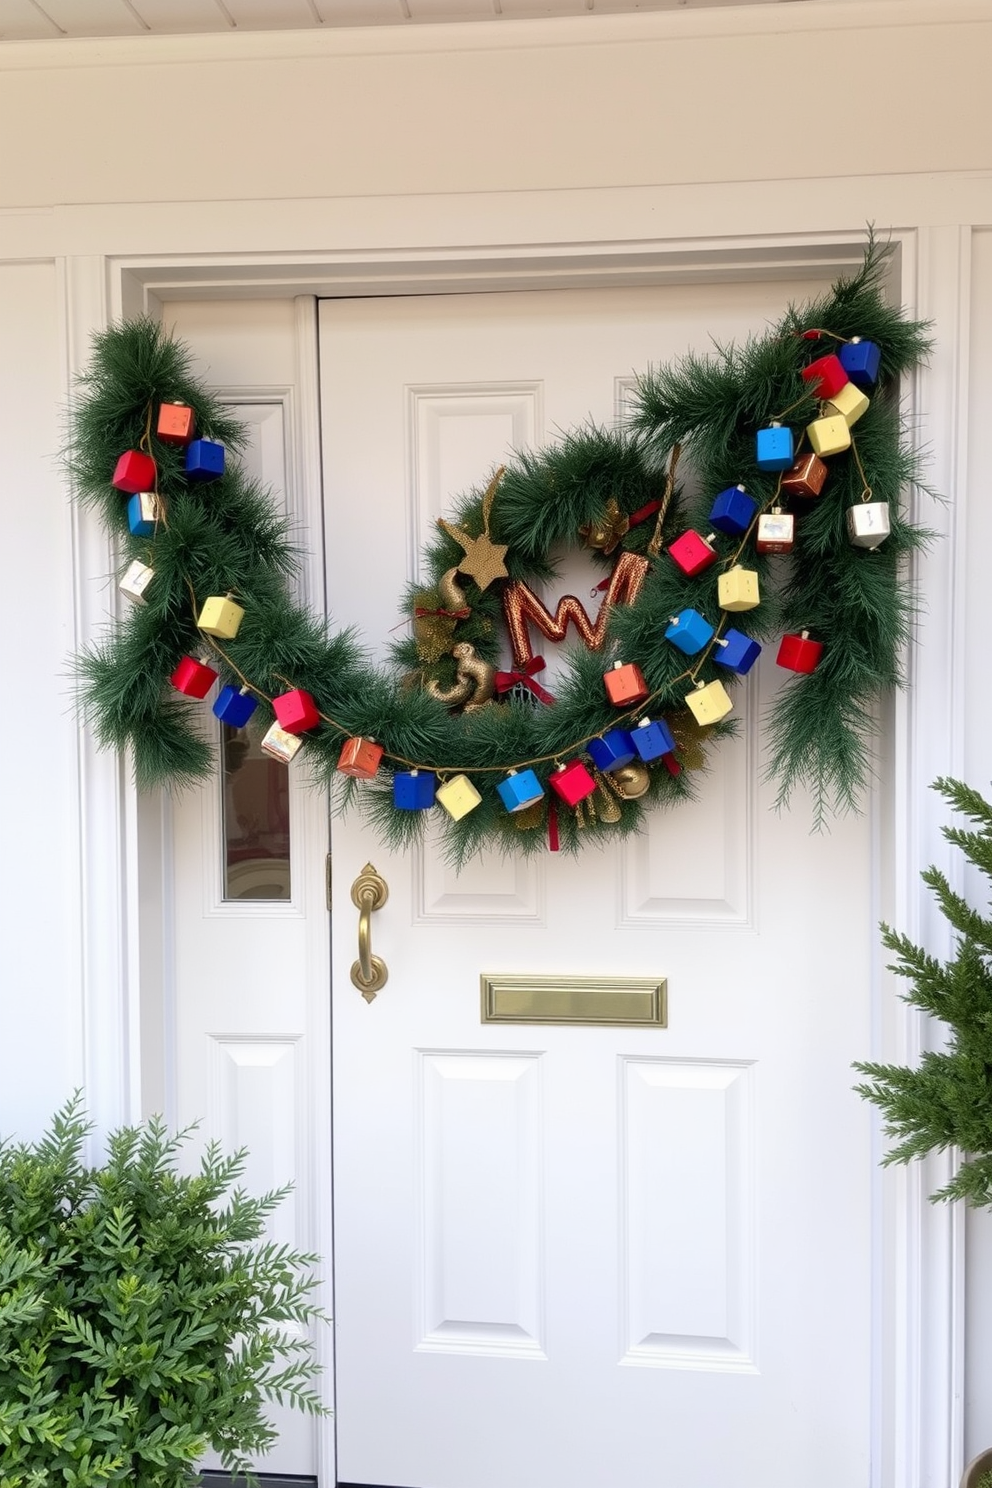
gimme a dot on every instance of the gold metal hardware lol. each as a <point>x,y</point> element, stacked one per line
<point>368,892</point>
<point>576,1000</point>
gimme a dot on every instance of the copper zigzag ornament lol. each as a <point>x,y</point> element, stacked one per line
<point>521,607</point>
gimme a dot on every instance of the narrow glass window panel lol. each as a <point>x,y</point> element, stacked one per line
<point>256,819</point>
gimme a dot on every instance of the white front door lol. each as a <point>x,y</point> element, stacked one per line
<point>575,1257</point>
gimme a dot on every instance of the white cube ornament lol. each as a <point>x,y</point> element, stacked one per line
<point>868,523</point>
<point>280,745</point>
<point>136,581</point>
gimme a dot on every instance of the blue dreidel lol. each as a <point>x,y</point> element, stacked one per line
<point>861,360</point>
<point>736,651</point>
<point>774,448</point>
<point>204,460</point>
<point>689,631</point>
<point>733,511</point>
<point>520,789</point>
<point>143,514</point>
<point>234,706</point>
<point>612,750</point>
<point>652,738</point>
<point>413,790</point>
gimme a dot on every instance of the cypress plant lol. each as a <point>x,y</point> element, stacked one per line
<point>946,1100</point>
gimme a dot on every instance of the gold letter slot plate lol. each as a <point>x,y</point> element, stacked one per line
<point>640,1002</point>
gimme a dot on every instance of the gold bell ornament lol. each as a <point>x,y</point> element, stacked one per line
<point>458,797</point>
<point>737,589</point>
<point>136,581</point>
<point>868,523</point>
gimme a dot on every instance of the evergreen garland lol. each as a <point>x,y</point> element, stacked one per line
<point>224,538</point>
<point>946,1101</point>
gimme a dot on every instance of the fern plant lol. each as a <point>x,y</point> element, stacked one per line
<point>142,1318</point>
<point>946,1100</point>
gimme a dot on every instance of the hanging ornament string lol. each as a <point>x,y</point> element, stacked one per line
<point>654,545</point>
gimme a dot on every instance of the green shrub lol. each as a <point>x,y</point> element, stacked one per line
<point>141,1320</point>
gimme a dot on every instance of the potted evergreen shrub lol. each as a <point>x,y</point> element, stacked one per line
<point>946,1100</point>
<point>143,1319</point>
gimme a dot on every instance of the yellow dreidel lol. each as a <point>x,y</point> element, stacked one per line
<point>737,589</point>
<point>458,796</point>
<point>709,703</point>
<point>220,617</point>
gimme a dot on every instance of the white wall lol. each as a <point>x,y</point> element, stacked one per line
<point>493,141</point>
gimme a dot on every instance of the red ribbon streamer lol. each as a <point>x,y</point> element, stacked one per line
<point>671,764</point>
<point>421,614</point>
<point>553,842</point>
<point>643,512</point>
<point>503,681</point>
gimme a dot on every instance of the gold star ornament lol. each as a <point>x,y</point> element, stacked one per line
<point>483,559</point>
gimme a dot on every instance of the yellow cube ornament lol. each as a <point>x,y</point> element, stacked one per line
<point>458,797</point>
<point>220,617</point>
<point>850,403</point>
<point>830,435</point>
<point>737,589</point>
<point>710,703</point>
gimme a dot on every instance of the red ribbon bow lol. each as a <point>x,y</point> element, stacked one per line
<point>503,681</point>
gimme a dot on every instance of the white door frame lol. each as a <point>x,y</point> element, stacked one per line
<point>919,1258</point>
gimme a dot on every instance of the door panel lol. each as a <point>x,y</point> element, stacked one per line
<point>246,1034</point>
<point>566,1255</point>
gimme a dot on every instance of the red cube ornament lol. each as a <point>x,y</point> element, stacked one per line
<point>826,376</point>
<point>134,471</point>
<point>176,424</point>
<point>572,782</point>
<point>360,758</point>
<point>693,553</point>
<point>799,653</point>
<point>193,677</point>
<point>625,684</point>
<point>295,711</point>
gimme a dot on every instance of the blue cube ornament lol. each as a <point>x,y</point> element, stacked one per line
<point>413,790</point>
<point>733,511</point>
<point>774,448</point>
<point>612,750</point>
<point>736,651</point>
<point>689,631</point>
<point>234,706</point>
<point>652,739</point>
<point>143,514</point>
<point>861,360</point>
<point>204,460</point>
<point>520,789</point>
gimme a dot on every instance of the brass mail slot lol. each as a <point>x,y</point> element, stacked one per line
<point>629,1001</point>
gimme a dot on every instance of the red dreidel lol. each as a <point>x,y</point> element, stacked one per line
<point>360,758</point>
<point>134,471</point>
<point>572,782</point>
<point>799,653</point>
<point>193,677</point>
<point>693,553</point>
<point>625,684</point>
<point>295,711</point>
<point>176,424</point>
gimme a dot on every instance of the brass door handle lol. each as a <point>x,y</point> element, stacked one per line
<point>368,892</point>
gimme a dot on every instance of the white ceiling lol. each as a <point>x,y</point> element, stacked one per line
<point>33,20</point>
